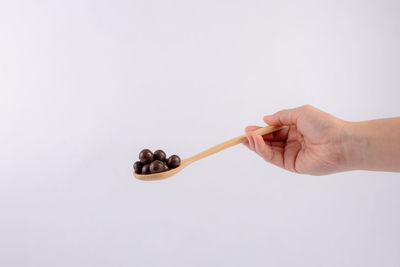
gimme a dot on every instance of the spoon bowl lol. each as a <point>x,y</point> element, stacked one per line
<point>186,162</point>
<point>162,175</point>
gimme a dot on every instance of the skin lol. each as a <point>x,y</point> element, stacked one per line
<point>318,143</point>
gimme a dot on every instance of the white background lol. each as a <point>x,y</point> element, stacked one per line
<point>85,85</point>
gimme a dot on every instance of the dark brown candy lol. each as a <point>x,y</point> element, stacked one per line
<point>137,166</point>
<point>160,155</point>
<point>146,156</point>
<point>166,168</point>
<point>155,163</point>
<point>146,169</point>
<point>174,161</point>
<point>157,166</point>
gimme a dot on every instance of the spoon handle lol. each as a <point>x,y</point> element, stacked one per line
<point>232,142</point>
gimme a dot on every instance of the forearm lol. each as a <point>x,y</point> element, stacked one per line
<point>374,145</point>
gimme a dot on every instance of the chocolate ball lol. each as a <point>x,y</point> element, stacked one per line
<point>157,166</point>
<point>146,169</point>
<point>166,168</point>
<point>146,156</point>
<point>137,166</point>
<point>160,155</point>
<point>174,161</point>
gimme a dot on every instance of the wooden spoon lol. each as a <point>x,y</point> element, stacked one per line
<point>186,162</point>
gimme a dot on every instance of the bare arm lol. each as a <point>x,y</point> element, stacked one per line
<point>375,144</point>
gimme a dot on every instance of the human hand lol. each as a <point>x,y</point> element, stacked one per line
<point>315,143</point>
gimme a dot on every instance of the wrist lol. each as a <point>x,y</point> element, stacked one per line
<point>355,146</point>
<point>375,144</point>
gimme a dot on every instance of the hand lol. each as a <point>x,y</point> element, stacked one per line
<point>315,143</point>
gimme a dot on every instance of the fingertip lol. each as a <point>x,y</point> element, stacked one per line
<point>259,144</point>
<point>285,116</point>
<point>250,140</point>
<point>248,135</point>
<point>251,128</point>
<point>246,144</point>
<point>271,120</point>
<point>266,117</point>
<point>264,150</point>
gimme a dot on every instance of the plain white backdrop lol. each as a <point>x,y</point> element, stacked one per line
<point>85,85</point>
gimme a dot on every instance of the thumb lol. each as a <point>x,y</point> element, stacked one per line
<point>284,117</point>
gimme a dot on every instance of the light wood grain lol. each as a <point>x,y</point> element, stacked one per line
<point>186,162</point>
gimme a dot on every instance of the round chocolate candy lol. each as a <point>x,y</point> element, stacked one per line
<point>137,166</point>
<point>166,168</point>
<point>157,166</point>
<point>146,169</point>
<point>160,155</point>
<point>174,161</point>
<point>146,156</point>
